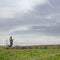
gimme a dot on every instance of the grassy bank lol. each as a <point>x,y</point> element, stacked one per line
<point>29,54</point>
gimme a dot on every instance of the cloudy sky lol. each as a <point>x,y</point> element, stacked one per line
<point>30,21</point>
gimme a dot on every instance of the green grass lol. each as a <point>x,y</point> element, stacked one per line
<point>29,54</point>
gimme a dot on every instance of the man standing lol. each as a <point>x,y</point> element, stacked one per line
<point>11,41</point>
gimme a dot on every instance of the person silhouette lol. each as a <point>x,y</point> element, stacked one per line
<point>11,41</point>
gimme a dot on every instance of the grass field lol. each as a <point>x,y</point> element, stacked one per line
<point>29,54</point>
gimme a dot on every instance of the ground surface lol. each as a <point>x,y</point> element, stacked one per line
<point>29,54</point>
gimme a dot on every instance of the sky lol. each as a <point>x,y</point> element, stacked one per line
<point>30,22</point>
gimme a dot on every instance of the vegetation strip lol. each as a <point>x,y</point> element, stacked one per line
<point>43,56</point>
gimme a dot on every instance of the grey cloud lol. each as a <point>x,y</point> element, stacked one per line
<point>53,30</point>
<point>38,16</point>
<point>55,4</point>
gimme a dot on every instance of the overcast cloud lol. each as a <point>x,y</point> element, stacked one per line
<point>37,17</point>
